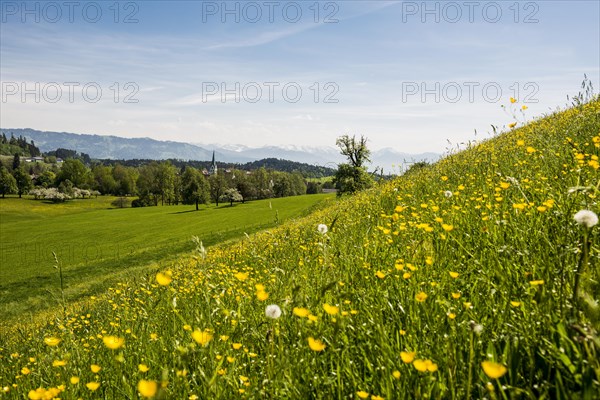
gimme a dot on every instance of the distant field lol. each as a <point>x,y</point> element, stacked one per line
<point>96,244</point>
<point>321,180</point>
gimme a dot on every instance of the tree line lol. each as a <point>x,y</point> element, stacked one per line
<point>18,146</point>
<point>276,164</point>
<point>153,183</point>
<point>168,182</point>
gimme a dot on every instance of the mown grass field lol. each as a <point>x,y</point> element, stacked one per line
<point>467,279</point>
<point>96,244</point>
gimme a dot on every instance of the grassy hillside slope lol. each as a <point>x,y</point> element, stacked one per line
<point>456,281</point>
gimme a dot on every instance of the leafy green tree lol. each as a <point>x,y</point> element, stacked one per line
<point>350,180</point>
<point>355,150</point>
<point>147,184</point>
<point>165,179</point>
<point>262,183</point>
<point>46,179</point>
<point>313,188</point>
<point>353,176</point>
<point>66,187</point>
<point>16,162</point>
<point>282,185</point>
<point>125,179</point>
<point>104,180</point>
<point>8,184</point>
<point>74,171</point>
<point>23,181</point>
<point>195,188</point>
<point>218,185</point>
<point>298,184</point>
<point>244,186</point>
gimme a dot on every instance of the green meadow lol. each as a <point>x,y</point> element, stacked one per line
<point>476,277</point>
<point>97,244</point>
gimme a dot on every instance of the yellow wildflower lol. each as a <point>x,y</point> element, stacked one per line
<point>113,342</point>
<point>202,337</point>
<point>408,356</point>
<point>493,370</point>
<point>147,388</point>
<point>421,296</point>
<point>316,344</point>
<point>301,312</point>
<point>331,310</point>
<point>163,279</point>
<point>92,386</point>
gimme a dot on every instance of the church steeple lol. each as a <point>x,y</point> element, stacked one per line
<point>213,166</point>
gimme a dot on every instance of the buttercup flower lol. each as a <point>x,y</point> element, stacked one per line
<point>147,388</point>
<point>163,279</point>
<point>315,344</point>
<point>493,370</point>
<point>202,338</point>
<point>301,312</point>
<point>113,342</point>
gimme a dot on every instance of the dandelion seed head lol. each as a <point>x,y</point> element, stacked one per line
<point>322,228</point>
<point>586,218</point>
<point>273,311</point>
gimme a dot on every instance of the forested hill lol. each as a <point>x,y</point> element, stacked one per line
<point>307,170</point>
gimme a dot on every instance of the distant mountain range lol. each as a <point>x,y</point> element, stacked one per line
<point>118,148</point>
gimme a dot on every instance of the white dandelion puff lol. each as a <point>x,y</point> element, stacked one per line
<point>273,311</point>
<point>477,328</point>
<point>448,194</point>
<point>322,228</point>
<point>512,180</point>
<point>586,218</point>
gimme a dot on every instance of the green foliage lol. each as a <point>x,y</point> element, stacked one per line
<point>165,181</point>
<point>306,170</point>
<point>76,172</point>
<point>218,185</point>
<point>66,154</point>
<point>104,180</point>
<point>245,186</point>
<point>313,188</point>
<point>16,162</point>
<point>45,179</point>
<point>66,187</point>
<point>125,178</point>
<point>352,177</point>
<point>355,150</point>
<point>8,184</point>
<point>148,187</point>
<point>196,189</point>
<point>23,181</point>
<point>18,146</point>
<point>349,179</point>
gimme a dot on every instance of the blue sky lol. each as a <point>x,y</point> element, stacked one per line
<point>412,76</point>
